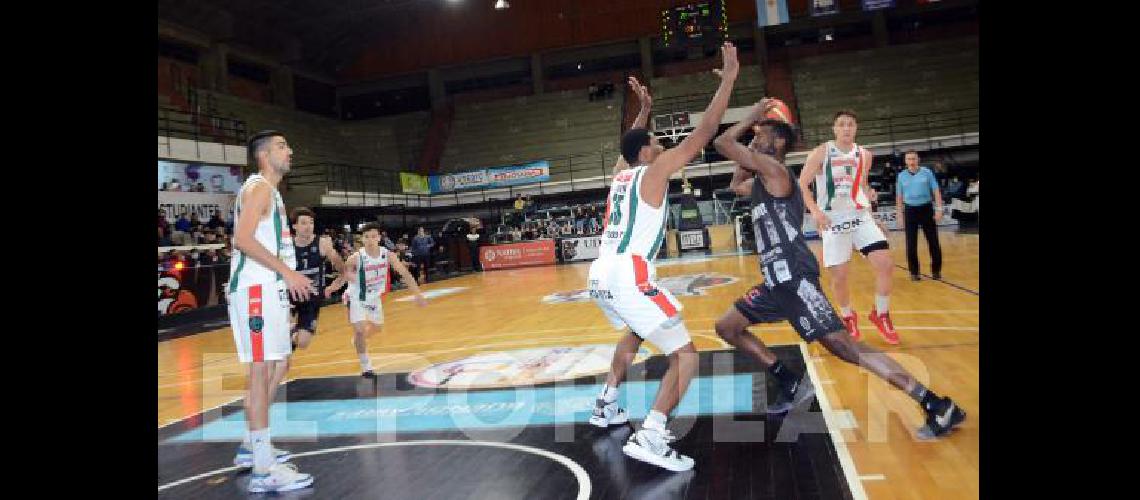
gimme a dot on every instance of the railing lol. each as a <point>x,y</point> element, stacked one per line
<point>900,127</point>
<point>173,122</point>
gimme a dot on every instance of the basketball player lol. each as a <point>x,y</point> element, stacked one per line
<point>842,212</point>
<point>311,253</point>
<point>791,290</point>
<point>366,272</point>
<point>621,280</point>
<point>262,279</point>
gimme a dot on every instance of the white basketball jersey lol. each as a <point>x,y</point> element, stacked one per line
<point>371,276</point>
<point>272,232</point>
<point>632,227</point>
<point>838,185</point>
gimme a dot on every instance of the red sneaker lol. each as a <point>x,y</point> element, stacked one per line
<point>886,327</point>
<point>852,324</point>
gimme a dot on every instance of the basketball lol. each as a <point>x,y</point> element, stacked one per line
<point>779,111</point>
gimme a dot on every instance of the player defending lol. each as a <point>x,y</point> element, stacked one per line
<point>622,279</point>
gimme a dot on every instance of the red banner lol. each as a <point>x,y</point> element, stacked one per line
<point>517,254</point>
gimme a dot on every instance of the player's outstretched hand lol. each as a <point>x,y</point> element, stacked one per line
<point>300,286</point>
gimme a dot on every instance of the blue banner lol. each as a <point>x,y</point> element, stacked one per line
<point>510,175</point>
<point>877,4</point>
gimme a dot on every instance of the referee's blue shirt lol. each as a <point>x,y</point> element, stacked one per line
<point>916,189</point>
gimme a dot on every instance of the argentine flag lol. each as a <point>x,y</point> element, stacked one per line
<point>771,12</point>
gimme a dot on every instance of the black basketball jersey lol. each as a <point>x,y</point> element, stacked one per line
<point>309,262</point>
<point>777,224</point>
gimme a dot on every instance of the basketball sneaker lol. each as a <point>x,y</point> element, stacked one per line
<point>244,457</point>
<point>941,417</point>
<point>368,374</point>
<point>790,397</point>
<point>886,327</point>
<point>852,324</point>
<point>607,414</point>
<point>651,445</point>
<point>281,477</point>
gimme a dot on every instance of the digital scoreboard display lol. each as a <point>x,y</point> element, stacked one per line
<point>694,23</point>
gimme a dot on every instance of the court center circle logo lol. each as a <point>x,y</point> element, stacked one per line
<point>521,367</point>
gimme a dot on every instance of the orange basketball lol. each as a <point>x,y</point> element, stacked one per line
<point>780,111</point>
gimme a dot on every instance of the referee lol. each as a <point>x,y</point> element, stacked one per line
<point>916,189</point>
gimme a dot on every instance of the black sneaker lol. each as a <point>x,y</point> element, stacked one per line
<point>941,418</point>
<point>368,374</point>
<point>937,276</point>
<point>915,277</point>
<point>786,399</point>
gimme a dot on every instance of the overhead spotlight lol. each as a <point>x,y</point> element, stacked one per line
<point>579,65</point>
<point>501,4</point>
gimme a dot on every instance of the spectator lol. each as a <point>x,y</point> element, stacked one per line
<point>473,246</point>
<point>516,234</point>
<point>195,222</point>
<point>955,188</point>
<point>215,220</point>
<point>940,173</point>
<point>163,239</point>
<point>386,241</point>
<point>163,222</point>
<point>181,233</point>
<point>422,246</point>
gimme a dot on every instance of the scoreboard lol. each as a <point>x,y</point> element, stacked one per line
<point>697,23</point>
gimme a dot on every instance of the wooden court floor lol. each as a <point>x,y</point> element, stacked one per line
<point>505,310</point>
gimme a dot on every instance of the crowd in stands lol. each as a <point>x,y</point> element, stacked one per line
<point>526,223</point>
<point>188,229</point>
<point>600,91</point>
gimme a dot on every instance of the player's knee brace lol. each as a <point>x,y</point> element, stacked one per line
<point>670,336</point>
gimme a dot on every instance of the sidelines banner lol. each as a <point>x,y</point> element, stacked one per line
<point>526,173</point>
<point>528,253</point>
<point>771,12</point>
<point>877,4</point>
<point>455,182</point>
<point>174,202</point>
<point>509,175</point>
<point>414,183</point>
<point>584,248</point>
<point>215,178</point>
<point>824,7</point>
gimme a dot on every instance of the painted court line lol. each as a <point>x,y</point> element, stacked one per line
<point>845,460</point>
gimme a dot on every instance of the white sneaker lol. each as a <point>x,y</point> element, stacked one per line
<point>607,414</point>
<point>281,477</point>
<point>652,446</point>
<point>244,457</point>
